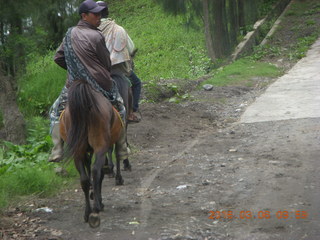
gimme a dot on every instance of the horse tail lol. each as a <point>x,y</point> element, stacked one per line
<point>82,103</point>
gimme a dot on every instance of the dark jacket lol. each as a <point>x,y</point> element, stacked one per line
<point>89,45</point>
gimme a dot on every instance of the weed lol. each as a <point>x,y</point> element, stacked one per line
<point>262,51</point>
<point>310,22</point>
<point>300,49</point>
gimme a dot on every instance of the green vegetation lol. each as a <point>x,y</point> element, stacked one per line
<point>241,72</point>
<point>24,169</point>
<point>302,46</point>
<point>40,86</point>
<point>167,48</point>
<point>301,29</point>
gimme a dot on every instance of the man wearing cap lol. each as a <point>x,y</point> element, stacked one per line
<point>84,55</point>
<point>122,50</point>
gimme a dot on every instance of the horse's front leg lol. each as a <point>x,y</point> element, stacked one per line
<point>85,185</point>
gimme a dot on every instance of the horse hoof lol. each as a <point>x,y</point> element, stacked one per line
<point>119,181</point>
<point>107,170</point>
<point>94,220</point>
<point>126,165</point>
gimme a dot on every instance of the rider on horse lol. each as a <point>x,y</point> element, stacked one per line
<point>84,55</point>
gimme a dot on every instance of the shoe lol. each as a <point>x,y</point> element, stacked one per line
<point>134,118</point>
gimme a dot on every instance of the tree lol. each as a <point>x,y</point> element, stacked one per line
<point>207,30</point>
<point>28,27</point>
<point>224,20</point>
<point>32,26</point>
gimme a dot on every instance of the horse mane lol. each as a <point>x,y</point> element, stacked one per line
<point>82,105</point>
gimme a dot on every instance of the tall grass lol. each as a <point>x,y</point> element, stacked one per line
<point>40,86</point>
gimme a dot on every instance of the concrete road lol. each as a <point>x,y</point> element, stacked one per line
<point>293,96</point>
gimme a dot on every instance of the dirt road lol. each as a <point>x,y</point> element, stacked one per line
<point>196,161</point>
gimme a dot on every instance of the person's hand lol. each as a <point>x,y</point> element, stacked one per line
<point>134,52</point>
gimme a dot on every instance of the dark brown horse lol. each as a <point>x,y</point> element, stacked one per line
<point>126,94</point>
<point>90,125</point>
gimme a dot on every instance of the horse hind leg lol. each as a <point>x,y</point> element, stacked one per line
<point>97,175</point>
<point>94,218</point>
<point>85,185</point>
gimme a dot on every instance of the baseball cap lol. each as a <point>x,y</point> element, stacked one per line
<point>90,6</point>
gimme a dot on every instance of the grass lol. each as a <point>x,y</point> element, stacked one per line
<point>26,181</point>
<point>167,48</point>
<point>241,72</point>
<point>33,179</point>
<point>24,169</point>
<point>40,86</point>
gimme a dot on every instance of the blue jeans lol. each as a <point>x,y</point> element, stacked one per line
<point>136,90</point>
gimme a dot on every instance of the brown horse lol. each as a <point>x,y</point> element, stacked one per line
<point>90,125</point>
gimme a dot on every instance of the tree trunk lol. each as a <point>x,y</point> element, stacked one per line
<point>13,127</point>
<point>234,22</point>
<point>241,14</point>
<point>221,38</point>
<point>252,11</point>
<point>19,56</point>
<point>207,30</point>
